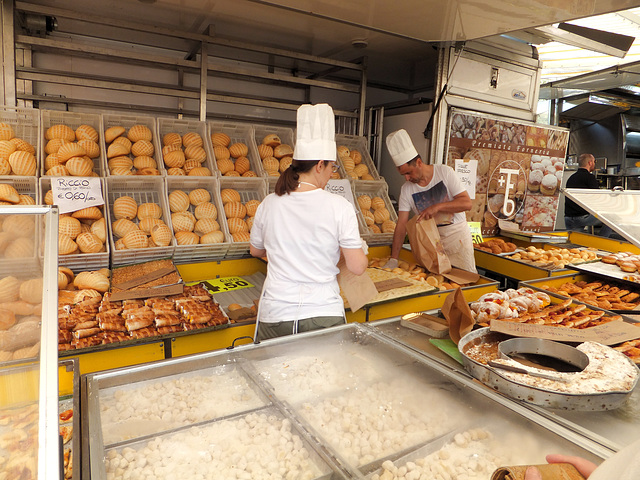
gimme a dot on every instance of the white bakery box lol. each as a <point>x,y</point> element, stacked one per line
<point>336,403</point>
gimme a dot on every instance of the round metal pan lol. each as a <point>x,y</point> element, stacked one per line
<point>537,396</point>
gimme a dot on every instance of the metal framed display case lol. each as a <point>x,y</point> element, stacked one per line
<point>28,347</point>
<point>335,403</point>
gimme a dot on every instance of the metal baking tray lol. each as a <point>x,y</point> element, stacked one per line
<point>537,396</point>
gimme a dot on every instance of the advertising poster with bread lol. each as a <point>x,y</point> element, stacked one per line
<point>519,169</point>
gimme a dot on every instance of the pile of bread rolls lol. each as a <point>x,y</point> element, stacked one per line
<point>69,152</point>
<point>17,233</point>
<point>138,226</point>
<point>554,258</point>
<point>82,231</point>
<point>130,152</point>
<point>239,215</point>
<point>17,156</point>
<point>376,214</point>
<point>85,285</point>
<point>184,154</point>
<point>275,155</point>
<point>416,272</point>
<point>353,164</point>
<point>232,159</point>
<point>194,217</point>
<point>10,196</point>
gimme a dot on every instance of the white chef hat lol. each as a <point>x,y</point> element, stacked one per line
<point>315,133</point>
<point>400,147</point>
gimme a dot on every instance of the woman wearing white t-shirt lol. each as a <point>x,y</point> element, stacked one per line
<point>302,229</point>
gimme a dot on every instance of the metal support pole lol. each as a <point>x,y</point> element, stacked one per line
<point>204,56</point>
<point>8,55</point>
<point>363,97</point>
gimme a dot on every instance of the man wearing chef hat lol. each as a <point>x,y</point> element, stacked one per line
<point>452,201</point>
<point>303,230</point>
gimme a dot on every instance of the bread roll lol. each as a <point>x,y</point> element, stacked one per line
<point>86,132</point>
<point>139,132</point>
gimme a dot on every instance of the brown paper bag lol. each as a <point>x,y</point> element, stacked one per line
<point>426,245</point>
<point>358,289</point>
<point>552,471</point>
<point>458,314</point>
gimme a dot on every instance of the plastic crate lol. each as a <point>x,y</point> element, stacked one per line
<point>172,125</point>
<point>239,133</point>
<point>26,126</point>
<point>287,136</point>
<point>376,189</point>
<point>128,121</point>
<point>354,142</point>
<point>72,120</point>
<point>249,189</point>
<point>143,189</point>
<point>82,261</point>
<point>24,186</point>
<point>205,252</point>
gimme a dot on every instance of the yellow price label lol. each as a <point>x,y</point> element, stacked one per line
<point>476,231</point>
<point>226,284</point>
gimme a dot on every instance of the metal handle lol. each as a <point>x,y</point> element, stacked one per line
<point>233,344</point>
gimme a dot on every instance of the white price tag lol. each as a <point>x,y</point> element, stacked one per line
<point>341,187</point>
<point>467,174</point>
<point>75,193</point>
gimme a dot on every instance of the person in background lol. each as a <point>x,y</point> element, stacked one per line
<point>623,465</point>
<point>420,177</point>
<point>576,217</point>
<point>303,230</point>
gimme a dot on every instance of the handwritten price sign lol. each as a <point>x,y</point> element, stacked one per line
<point>476,232</point>
<point>225,284</point>
<point>71,194</point>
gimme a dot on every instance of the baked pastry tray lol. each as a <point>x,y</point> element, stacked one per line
<point>606,270</point>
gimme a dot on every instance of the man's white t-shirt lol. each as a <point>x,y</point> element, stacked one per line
<point>302,233</point>
<point>441,173</point>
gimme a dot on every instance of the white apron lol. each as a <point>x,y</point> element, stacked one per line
<point>283,300</point>
<point>458,245</point>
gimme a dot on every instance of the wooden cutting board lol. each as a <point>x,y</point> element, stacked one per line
<point>428,324</point>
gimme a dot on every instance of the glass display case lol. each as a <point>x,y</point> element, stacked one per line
<point>28,346</point>
<point>336,403</point>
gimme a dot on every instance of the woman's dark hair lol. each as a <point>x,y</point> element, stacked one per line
<point>290,178</point>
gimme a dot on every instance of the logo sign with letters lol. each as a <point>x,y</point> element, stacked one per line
<point>75,193</point>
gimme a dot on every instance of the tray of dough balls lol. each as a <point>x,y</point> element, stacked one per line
<point>82,234</point>
<point>131,146</point>
<point>140,219</point>
<point>622,266</point>
<point>554,258</point>
<point>240,200</point>
<point>19,142</point>
<point>195,206</point>
<point>354,158</point>
<point>379,215</point>
<point>361,399</point>
<point>274,143</point>
<point>234,150</point>
<point>184,151</point>
<point>71,144</point>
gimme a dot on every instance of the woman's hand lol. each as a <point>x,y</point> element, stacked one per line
<point>585,467</point>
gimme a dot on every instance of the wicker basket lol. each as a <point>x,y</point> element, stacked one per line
<point>128,121</point>
<point>203,252</point>
<point>249,189</point>
<point>376,189</point>
<point>73,120</point>
<point>26,126</point>
<point>82,261</point>
<point>354,142</point>
<point>148,189</point>
<point>172,125</point>
<point>239,133</point>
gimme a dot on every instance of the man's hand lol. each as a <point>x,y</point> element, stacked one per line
<point>532,473</point>
<point>429,212</point>
<point>392,263</point>
<point>585,467</point>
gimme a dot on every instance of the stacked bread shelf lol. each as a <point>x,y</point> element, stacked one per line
<point>143,189</point>
<point>82,261</point>
<point>182,127</point>
<point>25,123</point>
<point>375,189</point>
<point>249,189</point>
<point>238,133</point>
<point>355,142</point>
<point>72,120</point>
<point>128,121</point>
<point>200,252</point>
